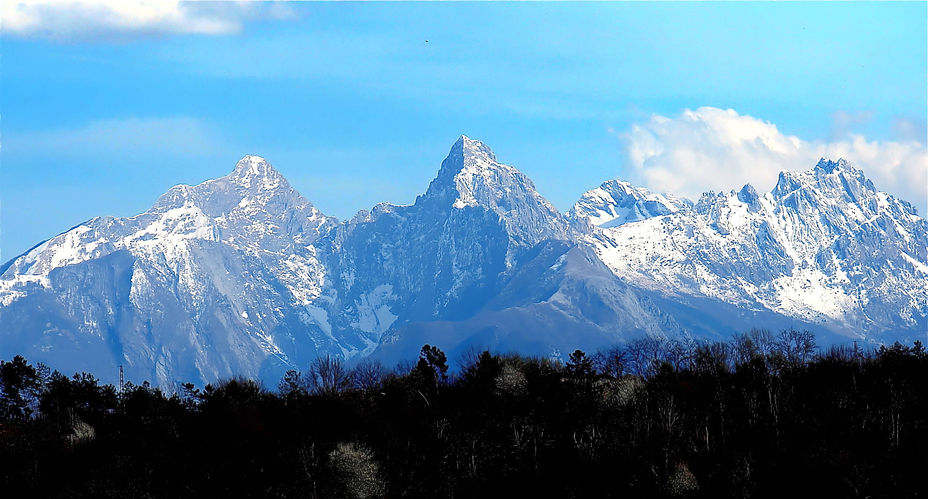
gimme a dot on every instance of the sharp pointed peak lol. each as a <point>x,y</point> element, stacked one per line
<point>471,176</point>
<point>467,156</point>
<point>468,147</point>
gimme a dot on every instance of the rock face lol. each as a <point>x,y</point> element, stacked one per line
<point>243,276</point>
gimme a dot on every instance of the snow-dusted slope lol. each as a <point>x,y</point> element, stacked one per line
<point>823,246</point>
<point>242,276</point>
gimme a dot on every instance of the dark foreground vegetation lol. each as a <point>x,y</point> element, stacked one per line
<point>761,416</point>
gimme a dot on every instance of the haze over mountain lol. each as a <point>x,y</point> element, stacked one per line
<point>243,276</point>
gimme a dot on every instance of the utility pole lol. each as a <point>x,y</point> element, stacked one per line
<point>122,380</point>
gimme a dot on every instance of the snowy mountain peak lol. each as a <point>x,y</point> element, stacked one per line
<point>250,168</point>
<point>824,246</point>
<point>471,174</point>
<point>467,157</point>
<point>252,184</point>
<point>617,202</point>
<point>833,179</point>
<point>471,177</point>
<point>473,149</point>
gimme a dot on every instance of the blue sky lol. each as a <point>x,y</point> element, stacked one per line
<point>352,104</point>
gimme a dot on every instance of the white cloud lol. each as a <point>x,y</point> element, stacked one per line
<point>118,138</point>
<point>105,19</point>
<point>719,149</point>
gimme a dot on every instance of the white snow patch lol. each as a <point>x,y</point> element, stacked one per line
<point>318,316</point>
<point>919,266</point>
<point>807,294</point>
<point>15,288</point>
<point>374,315</point>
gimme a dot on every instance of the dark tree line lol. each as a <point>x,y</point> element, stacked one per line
<point>763,415</point>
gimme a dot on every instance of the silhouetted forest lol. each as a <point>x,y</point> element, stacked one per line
<point>763,415</point>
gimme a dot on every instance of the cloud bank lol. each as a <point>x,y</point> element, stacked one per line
<point>66,20</point>
<point>719,149</point>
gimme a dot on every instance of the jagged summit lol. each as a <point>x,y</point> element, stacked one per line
<point>251,165</point>
<point>251,184</point>
<point>825,246</point>
<point>829,166</point>
<point>473,149</point>
<point>835,178</point>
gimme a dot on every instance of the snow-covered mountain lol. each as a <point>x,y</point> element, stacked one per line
<point>823,246</point>
<point>212,281</point>
<point>243,276</point>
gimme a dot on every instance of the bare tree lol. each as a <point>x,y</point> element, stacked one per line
<point>753,344</point>
<point>470,355</point>
<point>645,355</point>
<point>611,362</point>
<point>796,346</point>
<point>710,358</point>
<point>677,353</point>
<point>328,375</point>
<point>368,374</point>
<point>637,356</point>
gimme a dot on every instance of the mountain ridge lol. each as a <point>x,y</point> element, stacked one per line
<point>241,275</point>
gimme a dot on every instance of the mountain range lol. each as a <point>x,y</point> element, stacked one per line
<point>241,275</point>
